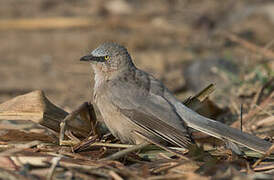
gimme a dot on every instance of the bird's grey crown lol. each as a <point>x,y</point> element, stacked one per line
<point>110,49</point>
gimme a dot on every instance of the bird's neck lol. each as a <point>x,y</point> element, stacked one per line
<point>101,77</point>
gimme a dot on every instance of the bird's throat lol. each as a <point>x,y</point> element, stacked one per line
<point>99,78</point>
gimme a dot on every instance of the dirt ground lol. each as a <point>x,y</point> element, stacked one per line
<point>163,37</point>
<point>187,44</point>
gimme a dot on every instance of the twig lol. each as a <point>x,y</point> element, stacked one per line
<point>72,137</point>
<point>126,151</point>
<point>112,145</point>
<point>241,117</point>
<point>248,45</point>
<point>264,111</point>
<point>195,102</point>
<point>115,176</point>
<point>268,121</point>
<point>19,148</point>
<point>85,143</point>
<point>264,167</point>
<point>251,113</point>
<point>161,146</point>
<point>70,117</point>
<point>257,98</point>
<point>13,164</point>
<point>167,167</point>
<point>268,153</point>
<point>54,161</point>
<point>174,176</point>
<point>205,92</point>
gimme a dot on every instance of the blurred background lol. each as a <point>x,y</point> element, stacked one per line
<point>187,44</point>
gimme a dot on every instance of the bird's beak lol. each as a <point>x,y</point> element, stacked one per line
<point>90,57</point>
<point>87,58</point>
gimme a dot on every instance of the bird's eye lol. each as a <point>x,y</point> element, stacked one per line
<point>107,58</point>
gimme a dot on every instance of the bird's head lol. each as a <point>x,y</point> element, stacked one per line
<point>108,58</point>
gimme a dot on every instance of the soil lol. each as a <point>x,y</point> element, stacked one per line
<point>163,37</point>
<point>186,44</point>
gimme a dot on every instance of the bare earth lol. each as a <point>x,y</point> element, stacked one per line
<point>186,44</point>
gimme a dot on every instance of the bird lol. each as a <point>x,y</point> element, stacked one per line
<point>133,103</point>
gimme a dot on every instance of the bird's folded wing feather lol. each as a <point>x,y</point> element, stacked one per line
<point>151,111</point>
<point>156,127</point>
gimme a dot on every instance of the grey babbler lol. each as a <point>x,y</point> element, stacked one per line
<point>132,102</point>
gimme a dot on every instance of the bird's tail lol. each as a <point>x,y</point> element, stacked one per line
<point>220,130</point>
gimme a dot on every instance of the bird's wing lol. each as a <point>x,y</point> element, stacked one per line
<point>141,101</point>
<point>154,126</point>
